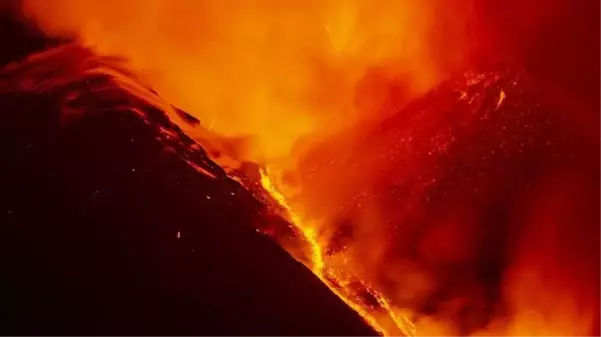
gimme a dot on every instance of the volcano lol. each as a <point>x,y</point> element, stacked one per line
<point>456,204</point>
<point>471,210</point>
<point>115,222</point>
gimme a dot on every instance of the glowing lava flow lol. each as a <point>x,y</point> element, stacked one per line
<point>382,317</point>
<point>309,234</point>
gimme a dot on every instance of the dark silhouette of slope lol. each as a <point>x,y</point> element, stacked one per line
<point>113,222</point>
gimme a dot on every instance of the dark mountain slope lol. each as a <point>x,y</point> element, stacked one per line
<point>113,222</point>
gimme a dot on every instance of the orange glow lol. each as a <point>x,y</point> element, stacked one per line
<point>276,75</point>
<point>293,86</point>
<point>271,71</point>
<point>379,315</point>
<point>549,282</point>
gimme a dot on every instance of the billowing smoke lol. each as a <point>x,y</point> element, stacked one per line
<point>285,75</point>
<point>273,71</point>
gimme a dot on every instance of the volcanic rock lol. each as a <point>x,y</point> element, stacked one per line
<point>113,222</point>
<point>487,168</point>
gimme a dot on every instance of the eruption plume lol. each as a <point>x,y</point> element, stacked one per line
<point>270,71</point>
<point>419,196</point>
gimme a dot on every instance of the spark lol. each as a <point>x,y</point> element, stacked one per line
<point>211,123</point>
<point>501,99</point>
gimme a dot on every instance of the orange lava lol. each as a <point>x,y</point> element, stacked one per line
<point>381,317</point>
<point>272,80</point>
<point>276,75</point>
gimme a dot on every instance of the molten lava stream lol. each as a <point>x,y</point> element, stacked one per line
<point>379,315</point>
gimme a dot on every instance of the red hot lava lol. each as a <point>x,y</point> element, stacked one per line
<point>472,210</point>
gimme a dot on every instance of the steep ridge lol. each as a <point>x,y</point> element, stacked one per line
<point>114,222</point>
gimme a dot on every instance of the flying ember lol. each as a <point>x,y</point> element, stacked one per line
<point>415,190</point>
